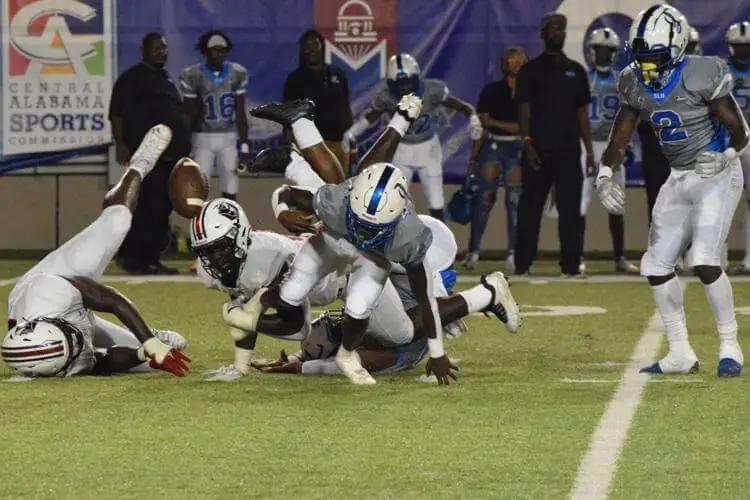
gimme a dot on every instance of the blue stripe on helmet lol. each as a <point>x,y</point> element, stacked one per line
<point>378,193</point>
<point>644,21</point>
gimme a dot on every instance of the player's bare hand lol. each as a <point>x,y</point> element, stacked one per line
<point>122,154</point>
<point>284,364</point>
<point>531,157</point>
<point>297,222</point>
<point>443,369</point>
<point>175,362</point>
<point>283,358</point>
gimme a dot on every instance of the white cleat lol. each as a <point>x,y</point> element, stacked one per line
<point>674,364</point>
<point>153,145</point>
<point>350,364</point>
<point>502,305</point>
<point>471,260</point>
<point>172,339</point>
<point>223,374</point>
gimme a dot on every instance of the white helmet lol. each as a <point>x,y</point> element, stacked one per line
<point>41,348</point>
<point>738,34</point>
<point>658,40</point>
<point>377,202</point>
<point>221,236</point>
<point>603,37</point>
<point>403,75</point>
<point>694,43</point>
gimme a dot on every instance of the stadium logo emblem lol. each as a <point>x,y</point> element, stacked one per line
<point>55,37</point>
<point>359,36</point>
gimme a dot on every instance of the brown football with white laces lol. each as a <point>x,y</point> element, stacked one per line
<point>188,188</point>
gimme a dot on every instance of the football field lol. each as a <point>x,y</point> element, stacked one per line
<point>557,410</point>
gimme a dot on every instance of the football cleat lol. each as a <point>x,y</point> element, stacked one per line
<point>728,367</point>
<point>272,160</point>
<point>502,303</point>
<point>623,266</point>
<point>223,374</point>
<point>471,260</point>
<point>153,145</point>
<point>286,112</point>
<point>172,339</point>
<point>351,366</point>
<point>673,364</point>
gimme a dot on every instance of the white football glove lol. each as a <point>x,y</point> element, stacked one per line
<point>475,127</point>
<point>243,318</point>
<point>410,106</point>
<point>710,163</point>
<point>610,193</point>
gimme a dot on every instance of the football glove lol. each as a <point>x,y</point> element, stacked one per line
<point>475,127</point>
<point>410,106</point>
<point>610,193</point>
<point>347,141</point>
<point>710,163</point>
<point>243,317</point>
<point>166,358</point>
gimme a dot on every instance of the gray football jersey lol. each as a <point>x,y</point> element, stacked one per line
<point>741,90</point>
<point>680,114</point>
<point>217,92</point>
<point>604,104</point>
<point>434,93</point>
<point>409,242</point>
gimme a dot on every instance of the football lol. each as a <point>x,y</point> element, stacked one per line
<point>188,188</point>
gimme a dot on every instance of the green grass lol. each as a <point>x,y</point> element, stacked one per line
<point>511,428</point>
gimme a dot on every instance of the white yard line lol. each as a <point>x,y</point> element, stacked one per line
<point>597,469</point>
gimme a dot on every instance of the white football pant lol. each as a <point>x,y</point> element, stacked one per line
<point>691,209</point>
<point>218,149</point>
<point>425,158</point>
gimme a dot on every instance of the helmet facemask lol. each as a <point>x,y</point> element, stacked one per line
<point>223,257</point>
<point>654,64</point>
<point>603,57</point>
<point>367,235</point>
<point>404,85</point>
<point>740,53</point>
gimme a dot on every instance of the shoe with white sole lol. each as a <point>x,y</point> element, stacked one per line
<point>672,363</point>
<point>502,304</point>
<point>471,260</point>
<point>623,266</point>
<point>172,339</point>
<point>223,374</point>
<point>350,364</point>
<point>154,143</point>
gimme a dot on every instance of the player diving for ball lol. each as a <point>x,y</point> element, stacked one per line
<point>370,268</point>
<point>688,101</point>
<point>420,150</point>
<point>53,330</point>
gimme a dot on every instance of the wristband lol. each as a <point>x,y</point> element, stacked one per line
<point>436,348</point>
<point>605,172</point>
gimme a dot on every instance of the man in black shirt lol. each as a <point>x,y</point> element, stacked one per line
<point>553,96</point>
<point>328,88</point>
<point>143,96</point>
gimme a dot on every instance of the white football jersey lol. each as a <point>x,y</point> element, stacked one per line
<point>49,296</point>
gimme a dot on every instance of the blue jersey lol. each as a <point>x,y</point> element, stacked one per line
<point>741,90</point>
<point>604,104</point>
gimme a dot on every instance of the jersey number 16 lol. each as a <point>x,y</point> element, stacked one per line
<point>223,110</point>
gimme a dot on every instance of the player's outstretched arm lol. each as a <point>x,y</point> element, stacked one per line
<point>421,284</point>
<point>728,113</point>
<point>102,298</point>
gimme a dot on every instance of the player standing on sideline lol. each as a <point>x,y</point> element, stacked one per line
<point>53,330</point>
<point>420,150</point>
<point>688,101</point>
<point>214,96</point>
<point>738,39</point>
<point>603,45</point>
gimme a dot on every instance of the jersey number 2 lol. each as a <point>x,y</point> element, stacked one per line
<point>223,110</point>
<point>671,125</point>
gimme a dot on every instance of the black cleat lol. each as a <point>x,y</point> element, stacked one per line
<point>286,112</point>
<point>272,160</point>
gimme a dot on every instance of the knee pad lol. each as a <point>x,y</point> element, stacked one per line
<point>650,266</point>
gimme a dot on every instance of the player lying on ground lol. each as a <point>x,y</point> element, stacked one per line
<point>688,101</point>
<point>367,225</point>
<point>52,327</point>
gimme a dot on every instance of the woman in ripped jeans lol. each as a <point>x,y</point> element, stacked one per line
<point>495,158</point>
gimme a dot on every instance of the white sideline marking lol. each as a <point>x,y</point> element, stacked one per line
<point>598,466</point>
<point>650,380</point>
<point>605,363</point>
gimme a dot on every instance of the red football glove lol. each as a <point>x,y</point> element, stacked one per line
<point>168,359</point>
